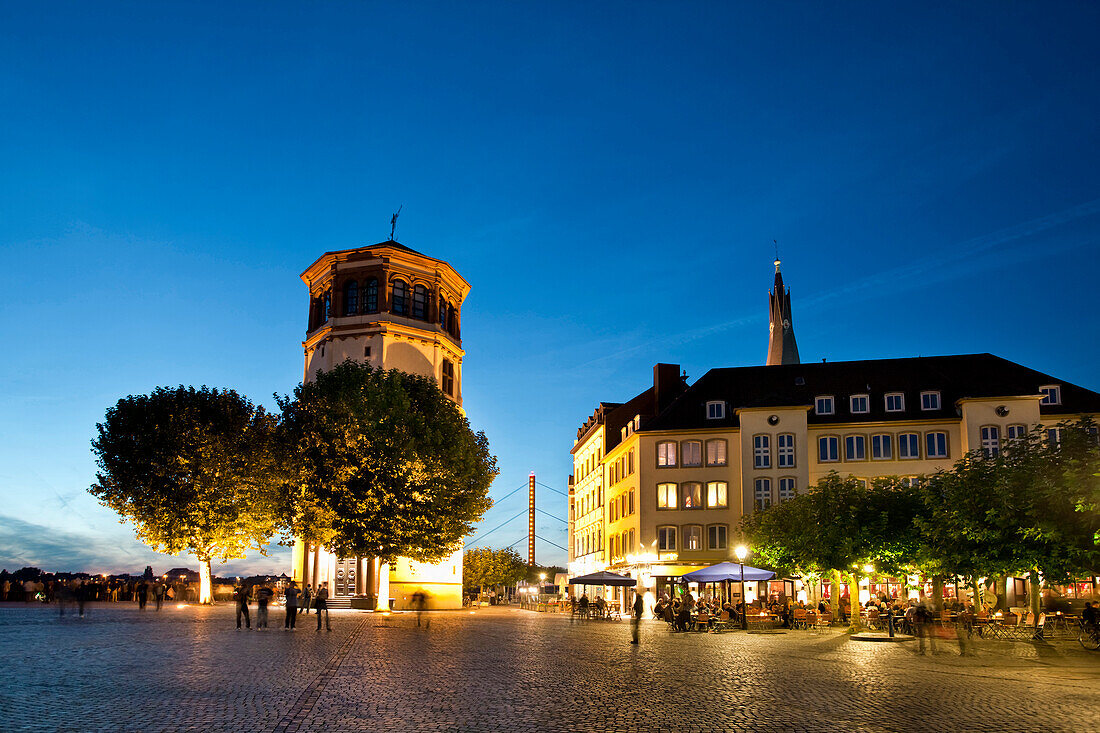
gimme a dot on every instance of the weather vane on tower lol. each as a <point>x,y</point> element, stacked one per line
<point>393,222</point>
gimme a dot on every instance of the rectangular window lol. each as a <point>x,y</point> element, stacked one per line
<point>1054,437</point>
<point>935,445</point>
<point>666,538</point>
<point>785,441</point>
<point>630,502</point>
<point>716,537</point>
<point>762,491</point>
<point>1013,432</point>
<point>666,454</point>
<point>823,405</point>
<point>786,488</point>
<point>691,453</point>
<point>693,537</point>
<point>716,410</point>
<point>929,400</point>
<point>991,440</point>
<point>908,446</point>
<point>717,495</point>
<point>716,452</point>
<point>855,448</point>
<point>630,462</point>
<point>666,496</point>
<point>882,447</point>
<point>761,451</point>
<point>691,495</point>
<point>859,403</point>
<point>1052,394</point>
<point>630,542</point>
<point>828,449</point>
<point>895,402</point>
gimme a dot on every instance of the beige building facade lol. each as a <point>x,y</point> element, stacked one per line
<point>393,308</point>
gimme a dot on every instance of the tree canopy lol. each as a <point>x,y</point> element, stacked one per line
<point>382,464</point>
<point>193,469</point>
<point>484,566</point>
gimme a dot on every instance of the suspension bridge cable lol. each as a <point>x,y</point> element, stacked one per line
<point>551,488</point>
<point>496,501</point>
<point>555,544</point>
<point>552,516</point>
<point>521,539</point>
<point>494,529</point>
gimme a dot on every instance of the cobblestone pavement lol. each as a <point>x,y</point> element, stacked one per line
<point>512,670</point>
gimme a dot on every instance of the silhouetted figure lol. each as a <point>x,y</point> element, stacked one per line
<point>240,598</point>
<point>158,594</point>
<point>290,593</point>
<point>321,604</point>
<point>307,597</point>
<point>81,596</point>
<point>636,622</point>
<point>419,604</point>
<point>143,595</point>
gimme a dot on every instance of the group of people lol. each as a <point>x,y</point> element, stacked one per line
<point>584,607</point>
<point>298,601</point>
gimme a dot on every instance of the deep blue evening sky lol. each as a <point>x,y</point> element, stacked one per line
<point>608,176</point>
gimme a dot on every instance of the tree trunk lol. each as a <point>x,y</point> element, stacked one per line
<point>937,593</point>
<point>976,590</point>
<point>1035,598</point>
<point>371,589</point>
<point>206,594</point>
<point>834,594</point>
<point>854,624</point>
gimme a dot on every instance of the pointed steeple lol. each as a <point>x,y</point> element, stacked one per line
<point>782,348</point>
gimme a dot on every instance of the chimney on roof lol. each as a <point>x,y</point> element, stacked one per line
<point>667,385</point>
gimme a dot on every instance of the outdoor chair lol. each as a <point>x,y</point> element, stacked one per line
<point>702,621</point>
<point>873,618</point>
<point>798,618</point>
<point>824,621</point>
<point>724,622</point>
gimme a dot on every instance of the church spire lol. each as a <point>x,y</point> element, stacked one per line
<point>782,348</point>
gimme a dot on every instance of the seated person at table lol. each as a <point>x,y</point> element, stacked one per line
<point>584,604</point>
<point>659,609</point>
<point>683,617</point>
<point>601,606</point>
<point>822,606</point>
<point>1090,615</point>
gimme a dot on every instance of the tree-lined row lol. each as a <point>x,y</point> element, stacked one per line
<point>361,461</point>
<point>1032,510</point>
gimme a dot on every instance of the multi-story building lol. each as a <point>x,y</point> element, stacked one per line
<point>682,464</point>
<point>394,308</point>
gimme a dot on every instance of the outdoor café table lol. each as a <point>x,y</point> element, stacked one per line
<point>763,621</point>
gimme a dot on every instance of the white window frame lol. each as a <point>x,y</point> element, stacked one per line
<point>1054,437</point>
<point>1052,394</point>
<point>669,531</point>
<point>836,452</point>
<point>886,401</point>
<point>991,440</point>
<point>725,452</point>
<point>687,532</point>
<point>761,451</point>
<point>818,404</point>
<point>717,495</point>
<point>663,490</point>
<point>716,529</point>
<point>1015,431</point>
<point>785,453</point>
<point>787,488</point>
<point>912,456</point>
<point>928,438</point>
<point>762,493</point>
<point>866,400</point>
<point>666,458</point>
<point>716,410</point>
<point>856,439</point>
<point>697,504</point>
<point>886,439</point>
<point>935,396</point>
<point>683,453</point>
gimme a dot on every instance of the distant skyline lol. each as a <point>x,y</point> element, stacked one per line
<point>609,178</point>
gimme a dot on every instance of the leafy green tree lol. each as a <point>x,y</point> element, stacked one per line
<point>193,469</point>
<point>484,567</point>
<point>382,464</point>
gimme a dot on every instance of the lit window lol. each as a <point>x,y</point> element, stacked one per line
<point>370,301</point>
<point>351,298</point>
<point>823,405</point>
<point>828,449</point>
<point>763,493</point>
<point>666,538</point>
<point>991,440</point>
<point>400,298</point>
<point>420,302</point>
<point>929,400</point>
<point>693,537</point>
<point>716,452</point>
<point>691,452</point>
<point>666,454</point>
<point>717,495</point>
<point>895,402</point>
<point>785,442</point>
<point>716,410</point>
<point>859,403</point>
<point>666,496</point>
<point>935,445</point>
<point>855,448</point>
<point>908,446</point>
<point>1052,394</point>
<point>786,489</point>
<point>716,537</point>
<point>882,447</point>
<point>761,451</point>
<point>691,493</point>
<point>1015,432</point>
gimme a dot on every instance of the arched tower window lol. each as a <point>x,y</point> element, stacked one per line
<point>443,308</point>
<point>448,378</point>
<point>327,306</point>
<point>420,302</point>
<point>400,297</point>
<point>351,298</point>
<point>370,297</point>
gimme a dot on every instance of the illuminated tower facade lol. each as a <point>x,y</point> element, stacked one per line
<point>782,348</point>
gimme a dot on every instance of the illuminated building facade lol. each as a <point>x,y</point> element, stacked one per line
<point>662,481</point>
<point>394,308</point>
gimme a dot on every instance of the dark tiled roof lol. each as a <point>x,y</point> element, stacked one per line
<point>795,385</point>
<point>616,419</point>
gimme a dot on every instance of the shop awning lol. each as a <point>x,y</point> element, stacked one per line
<point>603,578</point>
<point>727,571</point>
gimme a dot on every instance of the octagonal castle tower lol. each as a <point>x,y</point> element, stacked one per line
<point>394,308</point>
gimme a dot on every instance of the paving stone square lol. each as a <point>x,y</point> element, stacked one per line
<point>505,669</point>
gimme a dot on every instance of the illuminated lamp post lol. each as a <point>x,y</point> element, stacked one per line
<point>741,552</point>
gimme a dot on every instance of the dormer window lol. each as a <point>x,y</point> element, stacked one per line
<point>860,403</point>
<point>716,410</point>
<point>1052,394</point>
<point>895,402</point>
<point>823,405</point>
<point>929,400</point>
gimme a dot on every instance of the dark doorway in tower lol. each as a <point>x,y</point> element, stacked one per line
<point>345,577</point>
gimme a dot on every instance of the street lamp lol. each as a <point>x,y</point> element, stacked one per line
<point>741,552</point>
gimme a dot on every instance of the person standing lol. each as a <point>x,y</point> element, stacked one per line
<point>81,596</point>
<point>290,593</point>
<point>307,597</point>
<point>158,594</point>
<point>240,598</point>
<point>321,604</point>
<point>263,596</point>
<point>142,594</point>
<point>636,621</point>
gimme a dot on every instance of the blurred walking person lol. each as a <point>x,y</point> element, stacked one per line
<point>636,617</point>
<point>290,593</point>
<point>307,597</point>
<point>240,598</point>
<point>143,595</point>
<point>419,603</point>
<point>263,596</point>
<point>158,594</point>
<point>321,604</point>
